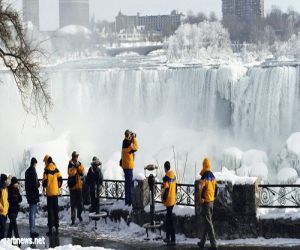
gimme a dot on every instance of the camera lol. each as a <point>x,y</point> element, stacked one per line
<point>133,135</point>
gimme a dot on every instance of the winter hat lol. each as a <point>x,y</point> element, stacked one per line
<point>167,165</point>
<point>46,159</point>
<point>14,180</point>
<point>206,166</point>
<point>33,161</point>
<point>127,132</point>
<point>3,178</point>
<point>75,154</point>
<point>96,161</point>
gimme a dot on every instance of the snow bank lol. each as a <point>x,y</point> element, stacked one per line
<point>253,156</point>
<point>232,158</point>
<point>230,176</point>
<point>287,176</point>
<point>4,244</point>
<point>289,156</point>
<point>259,170</point>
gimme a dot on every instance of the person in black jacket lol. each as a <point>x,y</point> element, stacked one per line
<point>32,185</point>
<point>14,198</point>
<point>94,180</point>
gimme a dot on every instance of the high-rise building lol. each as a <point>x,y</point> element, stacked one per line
<point>31,12</point>
<point>74,12</point>
<point>245,9</point>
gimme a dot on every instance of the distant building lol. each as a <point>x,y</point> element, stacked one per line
<point>74,12</point>
<point>245,9</point>
<point>165,24</point>
<point>31,12</point>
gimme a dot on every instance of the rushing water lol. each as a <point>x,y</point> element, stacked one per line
<point>198,110</point>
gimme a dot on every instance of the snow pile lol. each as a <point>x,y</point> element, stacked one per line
<point>199,41</point>
<point>4,244</point>
<point>251,163</point>
<point>254,163</point>
<point>289,156</point>
<point>287,175</point>
<point>230,176</point>
<point>232,158</point>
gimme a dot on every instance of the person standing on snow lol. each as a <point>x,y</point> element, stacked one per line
<point>32,185</point>
<point>169,200</point>
<point>4,205</point>
<point>14,199</point>
<point>75,172</point>
<point>52,182</point>
<point>129,147</point>
<point>207,195</point>
<point>94,180</point>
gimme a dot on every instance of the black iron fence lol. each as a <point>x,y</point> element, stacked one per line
<point>279,196</point>
<point>115,189</point>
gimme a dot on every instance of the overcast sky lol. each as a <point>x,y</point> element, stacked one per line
<point>107,9</point>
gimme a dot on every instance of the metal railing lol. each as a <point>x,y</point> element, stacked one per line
<point>279,196</point>
<point>115,189</point>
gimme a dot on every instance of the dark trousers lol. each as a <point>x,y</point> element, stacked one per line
<point>76,203</point>
<point>13,226</point>
<point>128,186</point>
<point>170,230</point>
<point>94,201</point>
<point>207,228</point>
<point>2,226</point>
<point>52,207</point>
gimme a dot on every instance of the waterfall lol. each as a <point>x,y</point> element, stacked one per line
<point>199,110</point>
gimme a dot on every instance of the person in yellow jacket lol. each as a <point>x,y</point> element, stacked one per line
<point>169,200</point>
<point>4,205</point>
<point>75,172</point>
<point>129,147</point>
<point>207,195</point>
<point>52,182</point>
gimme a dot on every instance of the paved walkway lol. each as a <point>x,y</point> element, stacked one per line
<point>65,239</point>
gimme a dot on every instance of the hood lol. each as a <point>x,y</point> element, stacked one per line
<point>205,166</point>
<point>170,174</point>
<point>46,159</point>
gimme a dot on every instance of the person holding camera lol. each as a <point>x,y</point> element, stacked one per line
<point>207,196</point>
<point>169,200</point>
<point>129,147</point>
<point>75,172</point>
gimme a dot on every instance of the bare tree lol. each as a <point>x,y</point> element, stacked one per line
<point>22,58</point>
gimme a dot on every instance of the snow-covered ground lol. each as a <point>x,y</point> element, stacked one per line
<point>4,244</point>
<point>134,234</point>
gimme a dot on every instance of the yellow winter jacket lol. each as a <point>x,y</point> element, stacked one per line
<point>128,150</point>
<point>78,171</point>
<point>208,183</point>
<point>52,180</point>
<point>4,205</point>
<point>169,185</point>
